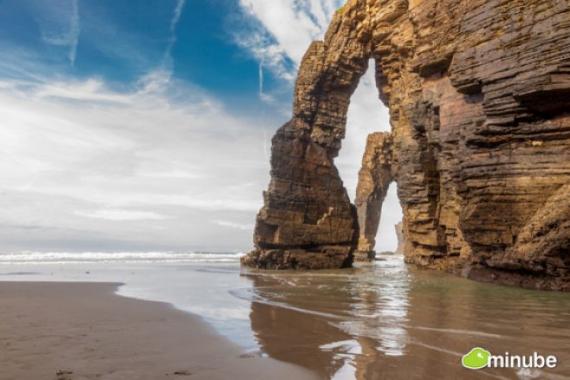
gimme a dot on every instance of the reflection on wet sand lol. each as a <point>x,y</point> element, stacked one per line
<point>389,321</point>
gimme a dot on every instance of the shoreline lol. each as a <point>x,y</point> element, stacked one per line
<point>80,330</point>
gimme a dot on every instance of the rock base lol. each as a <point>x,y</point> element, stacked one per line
<point>364,257</point>
<point>299,259</point>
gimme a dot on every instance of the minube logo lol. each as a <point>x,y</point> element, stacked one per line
<point>479,358</point>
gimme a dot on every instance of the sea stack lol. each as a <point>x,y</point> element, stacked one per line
<point>479,99</point>
<point>374,178</point>
<point>401,239</point>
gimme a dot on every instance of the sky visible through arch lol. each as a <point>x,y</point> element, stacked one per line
<point>146,125</point>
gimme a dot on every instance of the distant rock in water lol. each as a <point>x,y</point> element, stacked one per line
<point>401,239</point>
<point>479,98</point>
<point>374,179</point>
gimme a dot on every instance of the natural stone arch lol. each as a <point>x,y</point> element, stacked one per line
<point>478,99</point>
<point>307,220</point>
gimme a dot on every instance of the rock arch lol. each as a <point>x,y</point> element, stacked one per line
<point>307,220</point>
<point>478,92</point>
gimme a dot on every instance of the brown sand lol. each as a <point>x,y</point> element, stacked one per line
<point>79,331</point>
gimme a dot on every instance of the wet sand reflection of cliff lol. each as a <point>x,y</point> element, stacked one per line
<point>392,322</point>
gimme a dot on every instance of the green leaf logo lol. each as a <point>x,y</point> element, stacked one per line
<point>477,358</point>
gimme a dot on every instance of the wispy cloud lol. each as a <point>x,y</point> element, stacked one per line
<point>281,30</point>
<point>92,90</point>
<point>65,35</point>
<point>74,31</point>
<point>177,13</point>
<point>179,7</point>
<point>267,98</point>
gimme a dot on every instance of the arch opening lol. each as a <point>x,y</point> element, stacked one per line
<point>389,235</point>
<point>366,115</point>
<point>308,220</point>
<point>365,165</point>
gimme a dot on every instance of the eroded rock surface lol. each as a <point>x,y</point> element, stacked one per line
<point>373,182</point>
<point>479,98</point>
<point>399,228</point>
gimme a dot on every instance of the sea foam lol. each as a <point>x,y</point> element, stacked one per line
<point>118,257</point>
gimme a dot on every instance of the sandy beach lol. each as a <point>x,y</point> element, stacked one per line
<point>73,331</point>
<point>387,321</point>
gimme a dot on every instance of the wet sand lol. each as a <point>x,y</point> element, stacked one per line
<point>386,321</point>
<point>72,331</point>
<point>394,322</point>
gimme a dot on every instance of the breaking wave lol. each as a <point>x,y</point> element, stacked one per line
<point>118,257</point>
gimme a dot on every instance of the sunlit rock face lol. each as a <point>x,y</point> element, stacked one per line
<point>399,228</point>
<point>479,98</point>
<point>374,179</point>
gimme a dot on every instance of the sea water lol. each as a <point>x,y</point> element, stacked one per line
<point>386,320</point>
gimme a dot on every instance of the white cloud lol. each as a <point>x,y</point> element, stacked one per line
<point>283,30</point>
<point>90,90</point>
<point>238,226</point>
<point>366,114</point>
<point>121,215</point>
<point>76,154</point>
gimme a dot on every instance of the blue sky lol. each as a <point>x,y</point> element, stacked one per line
<point>146,125</point>
<point>120,41</point>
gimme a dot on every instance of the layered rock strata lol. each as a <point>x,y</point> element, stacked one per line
<point>479,98</point>
<point>373,181</point>
<point>399,229</point>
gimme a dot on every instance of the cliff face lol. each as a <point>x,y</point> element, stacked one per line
<point>479,98</point>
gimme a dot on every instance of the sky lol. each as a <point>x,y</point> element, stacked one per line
<point>146,125</point>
